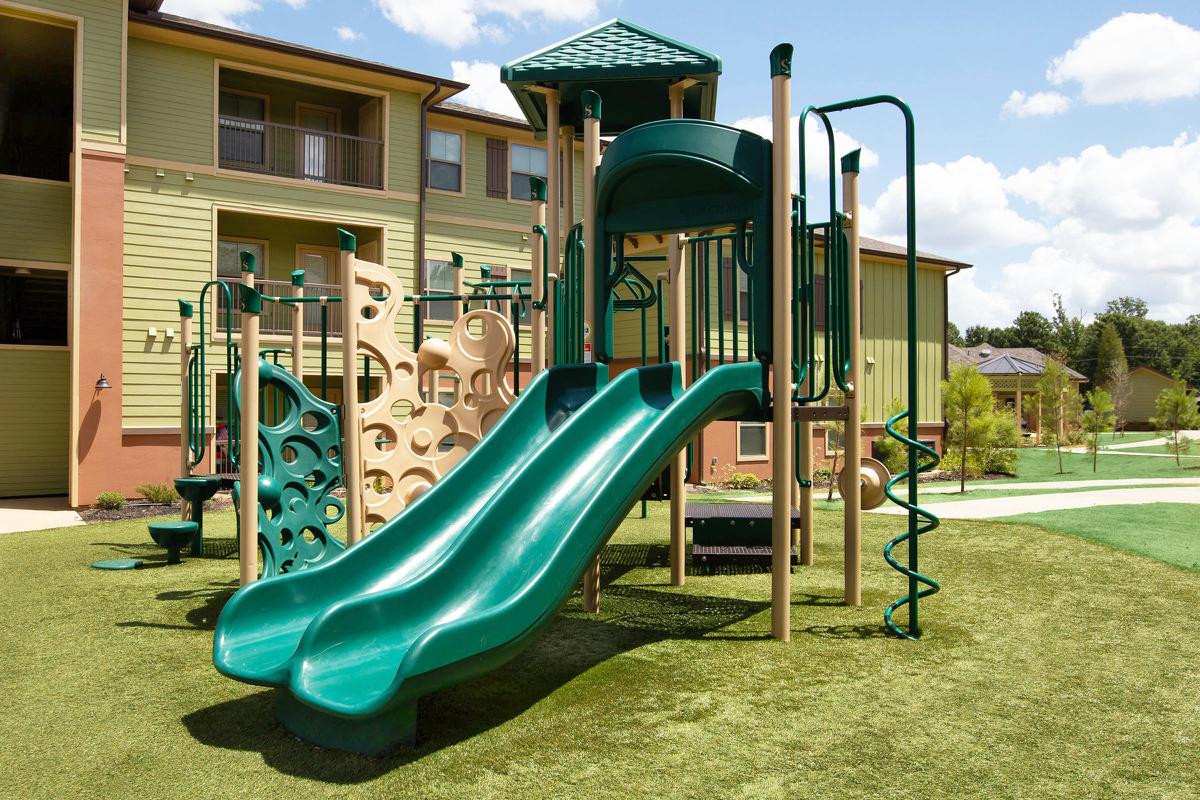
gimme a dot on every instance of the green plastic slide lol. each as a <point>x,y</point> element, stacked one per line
<point>467,575</point>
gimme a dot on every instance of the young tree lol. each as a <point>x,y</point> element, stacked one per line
<point>1112,372</point>
<point>1068,333</point>
<point>1058,406</point>
<point>1096,420</point>
<point>968,403</point>
<point>1176,411</point>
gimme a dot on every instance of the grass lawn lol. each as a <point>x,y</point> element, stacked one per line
<point>1165,531</point>
<point>1041,464</point>
<point>1052,667</point>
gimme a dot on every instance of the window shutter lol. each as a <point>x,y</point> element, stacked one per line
<point>819,301</point>
<point>497,168</point>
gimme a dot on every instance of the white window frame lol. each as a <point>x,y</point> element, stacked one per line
<point>512,170</point>
<point>753,457</point>
<point>427,307</point>
<point>461,163</point>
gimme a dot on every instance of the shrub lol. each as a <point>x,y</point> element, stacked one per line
<point>822,475</point>
<point>892,452</point>
<point>158,492</point>
<point>742,480</point>
<point>110,501</point>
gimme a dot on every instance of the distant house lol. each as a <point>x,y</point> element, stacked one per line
<point>1145,385</point>
<point>1013,373</point>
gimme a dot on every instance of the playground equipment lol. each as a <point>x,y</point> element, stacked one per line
<point>475,565</point>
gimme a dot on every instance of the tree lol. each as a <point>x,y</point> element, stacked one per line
<point>1032,329</point>
<point>836,442</point>
<point>1129,307</point>
<point>1058,406</point>
<point>967,400</point>
<point>1176,411</point>
<point>1068,333</point>
<point>1110,354</point>
<point>1098,419</point>
<point>953,336</point>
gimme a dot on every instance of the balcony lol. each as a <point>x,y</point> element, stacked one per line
<point>289,151</point>
<point>277,319</point>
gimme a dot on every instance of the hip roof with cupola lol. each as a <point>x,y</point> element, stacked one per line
<point>631,68</point>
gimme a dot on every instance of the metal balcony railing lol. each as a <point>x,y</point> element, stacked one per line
<point>277,318</point>
<point>271,148</point>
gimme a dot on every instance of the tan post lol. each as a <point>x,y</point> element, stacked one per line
<point>591,160</point>
<point>542,237</point>
<point>677,312</point>
<point>298,326</point>
<point>852,504</point>
<point>251,305</point>
<point>351,423</point>
<point>781,345</point>
<point>550,218</point>
<point>185,421</point>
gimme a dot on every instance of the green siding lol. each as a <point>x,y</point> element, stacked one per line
<point>35,410</point>
<point>102,34</point>
<point>35,221</point>
<point>1144,390</point>
<point>170,98</point>
<point>168,254</point>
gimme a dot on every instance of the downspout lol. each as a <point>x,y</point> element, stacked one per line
<point>419,321</point>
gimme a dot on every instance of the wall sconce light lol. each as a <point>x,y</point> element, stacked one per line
<point>103,383</point>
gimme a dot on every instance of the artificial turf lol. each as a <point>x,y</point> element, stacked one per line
<point>1051,667</point>
<point>1164,531</point>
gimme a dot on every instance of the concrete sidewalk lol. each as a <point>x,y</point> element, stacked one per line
<point>989,507</point>
<point>36,513</point>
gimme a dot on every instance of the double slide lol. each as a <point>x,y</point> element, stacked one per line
<point>467,575</point>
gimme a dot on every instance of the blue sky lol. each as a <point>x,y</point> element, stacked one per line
<point>1086,185</point>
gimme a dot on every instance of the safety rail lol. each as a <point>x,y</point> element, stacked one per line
<point>279,320</point>
<point>272,148</point>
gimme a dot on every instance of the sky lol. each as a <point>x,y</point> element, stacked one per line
<point>1058,144</point>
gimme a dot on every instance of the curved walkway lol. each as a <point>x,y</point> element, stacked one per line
<point>989,507</point>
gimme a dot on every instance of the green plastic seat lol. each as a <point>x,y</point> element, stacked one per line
<point>174,536</point>
<point>197,490</point>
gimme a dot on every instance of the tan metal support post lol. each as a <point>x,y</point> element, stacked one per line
<point>185,421</point>
<point>591,161</point>
<point>298,326</point>
<point>852,504</point>
<point>248,451</point>
<point>537,287</point>
<point>677,312</point>
<point>553,185</point>
<point>567,135</point>
<point>781,345</point>
<point>351,421</point>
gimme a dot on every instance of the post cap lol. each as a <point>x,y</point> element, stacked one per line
<point>249,299</point>
<point>590,100</point>
<point>456,260</point>
<point>247,259</point>
<point>781,60</point>
<point>185,309</point>
<point>485,271</point>
<point>347,240</point>
<point>850,161</point>
<point>537,188</point>
<point>297,277</point>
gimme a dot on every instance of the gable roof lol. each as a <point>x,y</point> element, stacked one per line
<point>1006,360</point>
<point>630,66</point>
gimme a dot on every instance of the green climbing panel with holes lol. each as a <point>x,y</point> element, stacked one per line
<point>301,465</point>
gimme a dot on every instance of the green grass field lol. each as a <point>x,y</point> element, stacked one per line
<point>1053,667</point>
<point>1041,464</point>
<point>1164,531</point>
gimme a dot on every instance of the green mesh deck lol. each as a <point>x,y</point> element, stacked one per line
<point>630,66</point>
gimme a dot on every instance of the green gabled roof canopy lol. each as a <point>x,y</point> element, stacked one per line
<point>631,68</point>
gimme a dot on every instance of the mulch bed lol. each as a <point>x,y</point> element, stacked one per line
<point>137,509</point>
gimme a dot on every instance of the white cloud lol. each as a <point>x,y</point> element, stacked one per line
<point>1123,223</point>
<point>817,149</point>
<point>347,34</point>
<point>486,91</point>
<point>455,23</point>
<point>229,13</point>
<point>1133,57</point>
<point>1038,104</point>
<point>962,207</point>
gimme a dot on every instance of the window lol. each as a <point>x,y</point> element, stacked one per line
<point>445,161</point>
<point>522,306</point>
<point>439,279</point>
<point>37,86</point>
<point>229,259</point>
<point>33,307</point>
<point>243,132</point>
<point>526,163</point>
<point>752,441</point>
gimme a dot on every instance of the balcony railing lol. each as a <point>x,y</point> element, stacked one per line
<point>270,148</point>
<point>277,318</point>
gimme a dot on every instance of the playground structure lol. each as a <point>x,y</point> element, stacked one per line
<point>451,585</point>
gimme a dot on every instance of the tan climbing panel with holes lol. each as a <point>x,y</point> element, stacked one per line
<point>407,439</point>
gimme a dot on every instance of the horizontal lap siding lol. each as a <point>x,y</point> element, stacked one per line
<point>170,103</point>
<point>34,410</point>
<point>1144,390</point>
<point>102,38</point>
<point>35,221</point>
<point>168,255</point>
